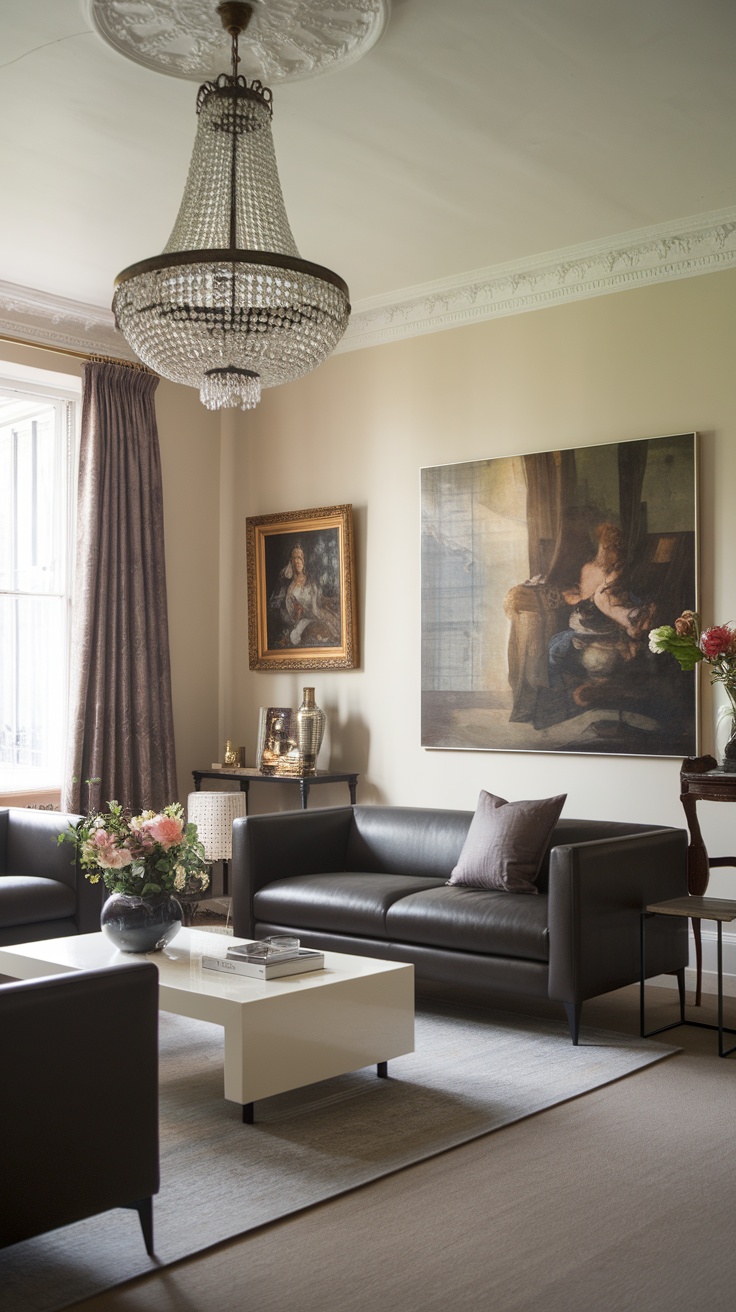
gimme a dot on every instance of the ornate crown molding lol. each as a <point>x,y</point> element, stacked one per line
<point>53,321</point>
<point>286,40</point>
<point>681,249</point>
<point>704,244</point>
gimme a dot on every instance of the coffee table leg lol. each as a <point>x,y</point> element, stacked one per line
<point>382,1070</point>
<point>248,1113</point>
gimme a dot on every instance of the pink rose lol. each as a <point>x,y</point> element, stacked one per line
<point>718,641</point>
<point>165,829</point>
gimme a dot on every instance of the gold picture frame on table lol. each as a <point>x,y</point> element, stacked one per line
<point>301,591</point>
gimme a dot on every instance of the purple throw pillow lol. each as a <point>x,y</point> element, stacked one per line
<point>506,843</point>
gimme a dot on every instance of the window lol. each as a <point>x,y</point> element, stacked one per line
<point>38,444</point>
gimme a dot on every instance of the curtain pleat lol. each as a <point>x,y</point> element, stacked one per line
<point>121,730</point>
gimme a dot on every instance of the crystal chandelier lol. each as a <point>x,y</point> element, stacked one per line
<point>230,307</point>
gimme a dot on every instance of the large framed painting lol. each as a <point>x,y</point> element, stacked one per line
<point>542,576</point>
<point>301,591</point>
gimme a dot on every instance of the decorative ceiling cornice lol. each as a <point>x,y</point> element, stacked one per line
<point>681,249</point>
<point>704,244</point>
<point>54,321</point>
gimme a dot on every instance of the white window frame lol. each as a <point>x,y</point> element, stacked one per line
<point>25,380</point>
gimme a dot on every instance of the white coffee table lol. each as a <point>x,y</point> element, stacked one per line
<point>279,1034</point>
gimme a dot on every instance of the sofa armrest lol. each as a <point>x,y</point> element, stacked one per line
<point>78,1097</point>
<point>280,844</point>
<point>596,893</point>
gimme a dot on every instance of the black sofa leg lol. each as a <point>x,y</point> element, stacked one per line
<point>574,1010</point>
<point>145,1213</point>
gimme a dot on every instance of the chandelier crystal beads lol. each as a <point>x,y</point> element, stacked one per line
<point>229,306</point>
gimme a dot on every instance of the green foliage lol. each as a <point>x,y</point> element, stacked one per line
<point>143,855</point>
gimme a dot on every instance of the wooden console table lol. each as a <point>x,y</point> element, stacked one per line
<point>701,780</point>
<point>247,777</point>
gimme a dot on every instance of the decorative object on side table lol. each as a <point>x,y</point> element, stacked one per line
<point>229,756</point>
<point>310,728</point>
<point>266,719</point>
<point>143,861</point>
<point>280,754</point>
<point>690,644</point>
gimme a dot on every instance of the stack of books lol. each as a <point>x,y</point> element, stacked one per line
<point>259,961</point>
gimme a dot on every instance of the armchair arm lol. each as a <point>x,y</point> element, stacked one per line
<point>596,893</point>
<point>80,1068</point>
<point>284,843</point>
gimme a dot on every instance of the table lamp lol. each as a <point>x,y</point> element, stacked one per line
<point>213,814</point>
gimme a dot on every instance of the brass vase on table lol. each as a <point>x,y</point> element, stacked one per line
<point>310,728</point>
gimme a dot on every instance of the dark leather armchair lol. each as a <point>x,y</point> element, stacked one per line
<point>78,1099</point>
<point>43,892</point>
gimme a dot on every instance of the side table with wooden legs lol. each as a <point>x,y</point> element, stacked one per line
<point>701,780</point>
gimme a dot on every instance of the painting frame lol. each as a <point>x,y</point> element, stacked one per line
<point>504,543</point>
<point>302,612</point>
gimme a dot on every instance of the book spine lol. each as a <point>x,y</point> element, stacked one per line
<point>230,967</point>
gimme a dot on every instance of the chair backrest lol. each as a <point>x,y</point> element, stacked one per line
<point>29,846</point>
<point>94,1033</point>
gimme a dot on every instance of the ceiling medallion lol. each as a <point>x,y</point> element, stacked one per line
<point>287,40</point>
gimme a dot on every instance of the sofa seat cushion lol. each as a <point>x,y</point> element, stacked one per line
<point>346,903</point>
<point>25,900</point>
<point>473,920</point>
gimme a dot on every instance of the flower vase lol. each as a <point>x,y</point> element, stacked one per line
<point>141,924</point>
<point>310,728</point>
<point>728,764</point>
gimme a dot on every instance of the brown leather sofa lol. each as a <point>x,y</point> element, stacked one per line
<point>43,893</point>
<point>371,880</point>
<point>79,1099</point>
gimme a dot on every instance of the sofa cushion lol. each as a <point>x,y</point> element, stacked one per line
<point>506,843</point>
<point>25,900</point>
<point>473,920</point>
<point>347,903</point>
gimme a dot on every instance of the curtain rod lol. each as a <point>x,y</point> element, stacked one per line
<point>94,356</point>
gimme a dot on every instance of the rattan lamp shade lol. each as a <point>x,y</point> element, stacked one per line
<point>213,814</point>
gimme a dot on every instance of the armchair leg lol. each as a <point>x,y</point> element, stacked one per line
<point>574,1010</point>
<point>145,1215</point>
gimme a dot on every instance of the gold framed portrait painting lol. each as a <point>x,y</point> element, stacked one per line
<point>301,592</point>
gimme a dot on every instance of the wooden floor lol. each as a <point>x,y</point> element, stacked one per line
<point>623,1199</point>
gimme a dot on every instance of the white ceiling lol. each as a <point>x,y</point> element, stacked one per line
<point>476,132</point>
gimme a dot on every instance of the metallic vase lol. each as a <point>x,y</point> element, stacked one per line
<point>310,728</point>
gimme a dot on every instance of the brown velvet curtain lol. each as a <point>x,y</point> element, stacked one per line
<point>121,732</point>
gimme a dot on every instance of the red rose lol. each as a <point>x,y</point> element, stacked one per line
<point>718,641</point>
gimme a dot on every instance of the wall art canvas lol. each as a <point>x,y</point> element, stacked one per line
<point>301,594</point>
<point>541,578</point>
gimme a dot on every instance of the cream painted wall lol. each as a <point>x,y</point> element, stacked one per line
<point>637,364</point>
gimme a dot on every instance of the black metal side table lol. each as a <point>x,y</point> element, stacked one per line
<point>693,908</point>
<point>246,777</point>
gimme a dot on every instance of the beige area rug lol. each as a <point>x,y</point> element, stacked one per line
<point>473,1071</point>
